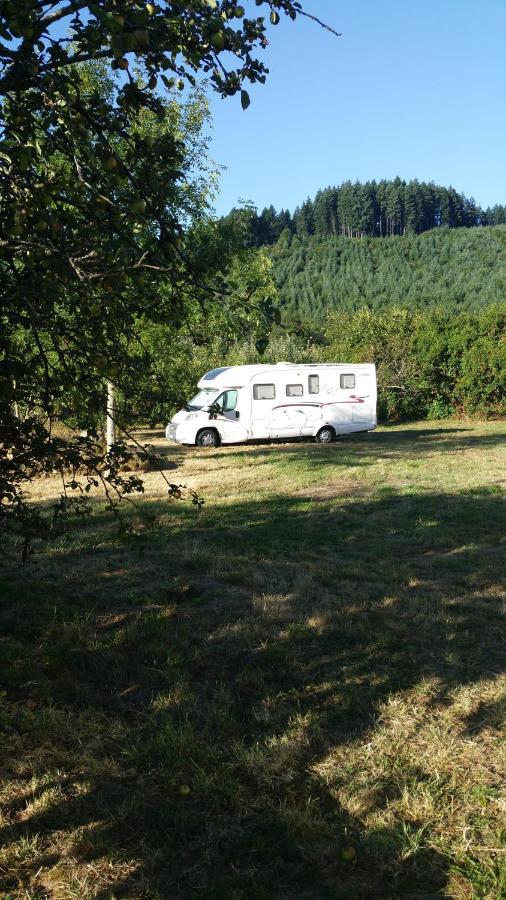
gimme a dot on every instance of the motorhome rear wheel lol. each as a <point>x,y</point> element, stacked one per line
<point>325,435</point>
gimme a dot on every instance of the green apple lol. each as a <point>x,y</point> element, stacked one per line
<point>15,28</point>
<point>100,361</point>
<point>24,160</point>
<point>141,38</point>
<point>218,40</point>
<point>138,207</point>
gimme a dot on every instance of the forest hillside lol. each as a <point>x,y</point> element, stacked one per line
<point>456,269</point>
<point>375,208</point>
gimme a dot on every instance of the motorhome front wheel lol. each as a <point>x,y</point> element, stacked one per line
<point>325,435</point>
<point>208,437</point>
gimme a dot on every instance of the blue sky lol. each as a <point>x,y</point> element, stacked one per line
<point>416,89</point>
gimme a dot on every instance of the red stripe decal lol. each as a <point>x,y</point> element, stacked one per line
<point>353,399</point>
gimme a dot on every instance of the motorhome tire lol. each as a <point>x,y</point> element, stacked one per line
<point>208,437</point>
<point>325,435</point>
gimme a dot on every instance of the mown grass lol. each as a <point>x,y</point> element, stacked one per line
<point>296,693</point>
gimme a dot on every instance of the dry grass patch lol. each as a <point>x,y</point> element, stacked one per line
<point>274,697</point>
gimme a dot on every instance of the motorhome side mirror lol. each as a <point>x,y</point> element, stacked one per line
<point>237,413</point>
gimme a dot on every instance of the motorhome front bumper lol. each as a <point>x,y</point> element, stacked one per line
<point>170,432</point>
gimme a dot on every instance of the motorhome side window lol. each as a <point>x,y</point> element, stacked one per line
<point>294,390</point>
<point>264,392</point>
<point>313,384</point>
<point>347,381</point>
<point>227,401</point>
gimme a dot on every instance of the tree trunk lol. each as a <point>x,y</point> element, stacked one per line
<point>110,417</point>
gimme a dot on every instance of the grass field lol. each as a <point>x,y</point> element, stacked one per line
<point>295,693</point>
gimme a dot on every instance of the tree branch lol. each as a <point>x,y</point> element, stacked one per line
<point>7,52</point>
<point>319,22</point>
<point>62,13</point>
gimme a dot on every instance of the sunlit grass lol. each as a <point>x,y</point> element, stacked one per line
<point>297,692</point>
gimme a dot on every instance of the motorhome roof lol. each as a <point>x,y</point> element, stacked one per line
<point>235,376</point>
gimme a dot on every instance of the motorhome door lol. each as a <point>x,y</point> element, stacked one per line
<point>231,417</point>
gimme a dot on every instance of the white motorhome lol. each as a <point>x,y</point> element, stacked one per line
<point>247,403</point>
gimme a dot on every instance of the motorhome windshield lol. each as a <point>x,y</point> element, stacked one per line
<point>202,399</point>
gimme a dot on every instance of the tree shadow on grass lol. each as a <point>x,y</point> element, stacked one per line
<point>352,450</point>
<point>487,715</point>
<point>184,705</point>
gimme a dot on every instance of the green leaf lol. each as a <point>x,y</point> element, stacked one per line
<point>274,17</point>
<point>245,100</point>
<point>261,345</point>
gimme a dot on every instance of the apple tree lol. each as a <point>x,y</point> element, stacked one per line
<point>95,207</point>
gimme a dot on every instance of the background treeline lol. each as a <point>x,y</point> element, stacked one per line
<point>431,364</point>
<point>457,269</point>
<point>376,208</point>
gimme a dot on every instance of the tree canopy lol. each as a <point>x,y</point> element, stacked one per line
<point>98,199</point>
<point>376,209</point>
